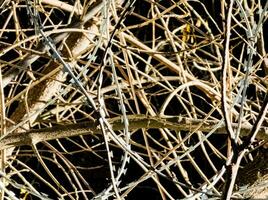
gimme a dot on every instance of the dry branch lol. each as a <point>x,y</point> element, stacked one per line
<point>38,96</point>
<point>135,122</point>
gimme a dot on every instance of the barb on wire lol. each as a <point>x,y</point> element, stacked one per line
<point>35,17</point>
<point>125,158</point>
